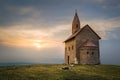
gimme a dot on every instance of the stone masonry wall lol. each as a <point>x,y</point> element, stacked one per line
<point>70,50</point>
<point>84,35</point>
<point>89,55</point>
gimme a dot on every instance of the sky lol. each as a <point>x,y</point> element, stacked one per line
<point>34,30</point>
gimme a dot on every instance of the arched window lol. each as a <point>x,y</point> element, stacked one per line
<point>92,53</point>
<point>77,26</point>
<point>69,48</point>
<point>87,52</point>
<point>72,47</point>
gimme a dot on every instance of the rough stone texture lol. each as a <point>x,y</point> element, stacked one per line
<point>85,34</point>
<point>69,51</point>
<point>82,54</point>
<point>75,24</point>
<point>89,55</point>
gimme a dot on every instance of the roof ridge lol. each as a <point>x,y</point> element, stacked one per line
<point>75,34</point>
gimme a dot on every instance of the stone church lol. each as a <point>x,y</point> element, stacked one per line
<point>82,47</point>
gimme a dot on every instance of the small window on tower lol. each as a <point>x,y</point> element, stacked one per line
<point>72,47</point>
<point>87,52</point>
<point>77,26</point>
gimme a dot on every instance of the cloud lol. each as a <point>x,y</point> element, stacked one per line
<point>34,30</point>
<point>21,10</point>
<point>109,4</point>
<point>27,22</point>
<point>30,35</point>
<point>14,13</point>
<point>106,28</point>
<point>24,37</point>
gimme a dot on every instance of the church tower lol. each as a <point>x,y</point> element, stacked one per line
<point>82,47</point>
<point>75,23</point>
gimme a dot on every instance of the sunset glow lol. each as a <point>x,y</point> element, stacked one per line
<point>37,45</point>
<point>28,27</point>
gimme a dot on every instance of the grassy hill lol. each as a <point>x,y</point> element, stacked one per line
<point>54,72</point>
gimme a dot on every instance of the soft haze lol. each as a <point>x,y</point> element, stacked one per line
<point>34,30</point>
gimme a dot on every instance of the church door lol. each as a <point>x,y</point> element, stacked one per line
<point>68,59</point>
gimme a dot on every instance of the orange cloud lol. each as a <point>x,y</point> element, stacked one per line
<point>25,38</point>
<point>30,36</point>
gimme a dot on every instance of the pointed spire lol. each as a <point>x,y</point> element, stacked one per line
<point>76,12</point>
<point>75,23</point>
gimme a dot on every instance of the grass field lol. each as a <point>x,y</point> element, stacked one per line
<point>54,72</point>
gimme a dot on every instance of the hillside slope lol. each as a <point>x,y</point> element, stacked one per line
<point>54,72</point>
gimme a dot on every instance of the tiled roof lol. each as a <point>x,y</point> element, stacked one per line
<point>89,43</point>
<point>75,34</point>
